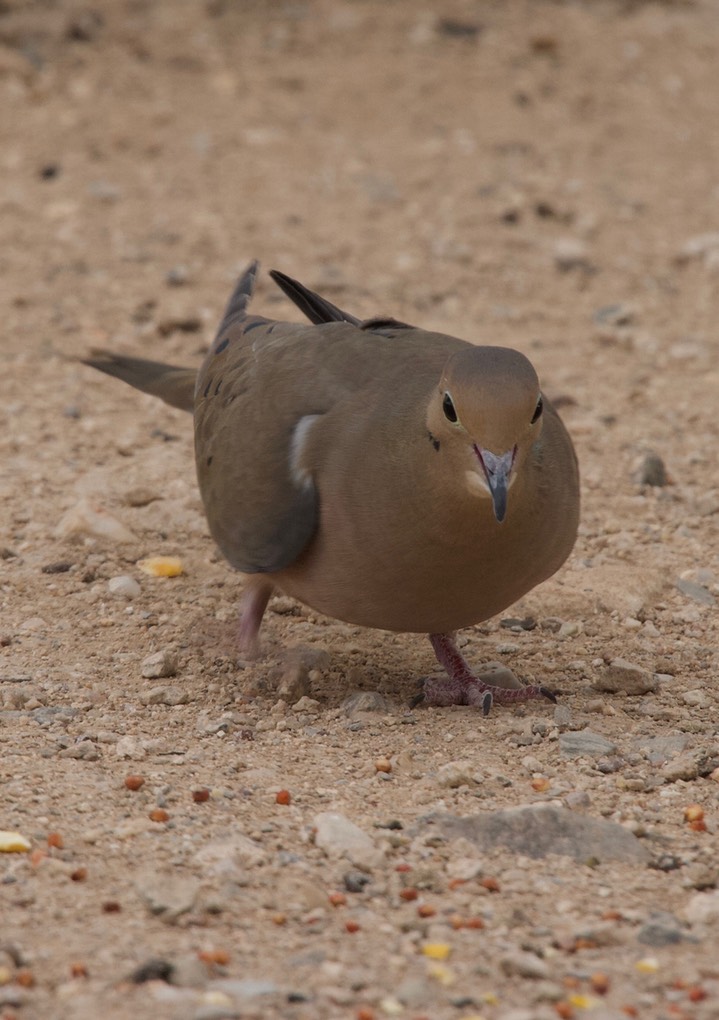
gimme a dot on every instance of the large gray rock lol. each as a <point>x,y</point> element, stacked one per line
<point>537,830</point>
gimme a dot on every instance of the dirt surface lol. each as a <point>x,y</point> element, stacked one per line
<point>540,175</point>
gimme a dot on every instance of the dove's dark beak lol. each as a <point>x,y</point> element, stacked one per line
<point>497,471</point>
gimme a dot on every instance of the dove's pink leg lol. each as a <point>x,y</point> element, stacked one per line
<point>462,687</point>
<point>254,602</point>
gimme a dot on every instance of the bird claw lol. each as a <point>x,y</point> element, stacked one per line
<point>462,687</point>
<point>417,700</point>
<point>477,694</point>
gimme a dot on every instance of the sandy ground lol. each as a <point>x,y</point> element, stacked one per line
<point>542,175</point>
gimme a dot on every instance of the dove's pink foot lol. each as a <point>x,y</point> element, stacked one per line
<point>254,602</point>
<point>462,687</point>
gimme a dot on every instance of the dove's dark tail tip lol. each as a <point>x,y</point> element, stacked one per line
<point>316,308</point>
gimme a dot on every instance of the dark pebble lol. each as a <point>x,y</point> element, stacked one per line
<point>653,471</point>
<point>57,568</point>
<point>85,26</point>
<point>152,970</point>
<point>456,29</point>
<point>662,929</point>
<point>512,623</point>
<point>666,862</point>
<point>355,881</point>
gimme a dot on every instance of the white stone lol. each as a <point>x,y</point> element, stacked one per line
<point>339,837</point>
<point>124,585</point>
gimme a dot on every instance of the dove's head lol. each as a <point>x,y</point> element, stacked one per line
<point>485,417</point>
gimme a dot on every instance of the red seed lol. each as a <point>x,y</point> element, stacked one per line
<point>600,983</point>
<point>111,907</point>
<point>490,883</point>
<point>337,899</point>
<point>159,814</point>
<point>217,957</point>
<point>351,927</point>
<point>78,970</point>
<point>696,993</point>
<point>409,894</point>
<point>79,874</point>
<point>55,840</point>
<point>564,1009</point>
<point>134,782</point>
<point>426,910</point>
<point>201,795</point>
<point>283,797</point>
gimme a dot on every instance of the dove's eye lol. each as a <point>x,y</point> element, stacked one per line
<point>449,410</point>
<point>538,411</point>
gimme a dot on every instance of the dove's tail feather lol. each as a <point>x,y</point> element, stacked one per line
<point>236,307</point>
<point>316,308</point>
<point>171,383</point>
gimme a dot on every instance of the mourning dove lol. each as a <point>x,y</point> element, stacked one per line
<point>384,475</point>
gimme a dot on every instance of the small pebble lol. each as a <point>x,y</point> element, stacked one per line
<point>355,881</point>
<point>364,701</point>
<point>152,970</point>
<point>622,676</point>
<point>61,567</point>
<point>140,496</point>
<point>570,254</point>
<point>696,592</point>
<point>585,743</point>
<point>523,964</point>
<point>651,471</point>
<point>498,675</point>
<point>703,908</point>
<point>562,716</point>
<point>308,706</point>
<point>165,696</point>
<point>662,929</point>
<point>178,276</point>
<point>339,837</point>
<point>701,876</point>
<point>124,585</point>
<point>453,774</point>
<point>159,664</point>
<point>697,698</point>
<point>683,767</point>
<point>130,747</point>
<point>88,518</point>
<point>570,628</point>
<point>85,750</point>
<point>294,683</point>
